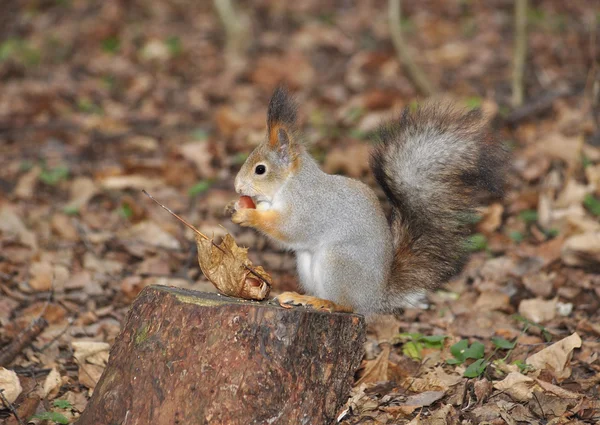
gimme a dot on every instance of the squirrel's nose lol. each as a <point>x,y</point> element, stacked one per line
<point>237,184</point>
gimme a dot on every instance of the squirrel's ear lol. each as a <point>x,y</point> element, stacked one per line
<point>284,145</point>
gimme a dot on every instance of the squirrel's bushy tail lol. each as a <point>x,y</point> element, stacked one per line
<point>432,164</point>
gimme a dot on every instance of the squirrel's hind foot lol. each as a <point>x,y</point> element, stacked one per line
<point>289,299</point>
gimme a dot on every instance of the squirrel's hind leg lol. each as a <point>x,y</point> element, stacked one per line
<point>288,299</point>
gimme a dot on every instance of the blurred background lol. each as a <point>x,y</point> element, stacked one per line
<point>100,99</point>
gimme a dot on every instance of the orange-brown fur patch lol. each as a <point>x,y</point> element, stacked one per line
<point>265,221</point>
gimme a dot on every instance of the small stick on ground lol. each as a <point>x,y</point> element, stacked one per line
<point>415,73</point>
<point>203,236</point>
<point>10,407</point>
<point>22,340</point>
<point>520,52</point>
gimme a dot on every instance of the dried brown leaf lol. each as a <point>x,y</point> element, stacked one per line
<point>228,269</point>
<point>582,250</point>
<point>376,370</point>
<point>556,357</point>
<point>52,383</point>
<point>538,310</point>
<point>9,382</point>
<point>518,386</point>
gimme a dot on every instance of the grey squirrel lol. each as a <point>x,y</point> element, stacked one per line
<point>432,164</point>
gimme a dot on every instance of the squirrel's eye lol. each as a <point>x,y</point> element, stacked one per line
<point>260,169</point>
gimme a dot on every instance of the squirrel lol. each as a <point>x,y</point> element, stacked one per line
<point>432,163</point>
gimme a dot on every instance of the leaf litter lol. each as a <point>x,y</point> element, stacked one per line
<point>152,113</point>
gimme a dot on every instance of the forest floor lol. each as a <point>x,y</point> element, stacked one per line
<point>102,99</point>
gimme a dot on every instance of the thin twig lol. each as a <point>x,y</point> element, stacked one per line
<point>415,73</point>
<point>202,235</point>
<point>520,52</point>
<point>10,407</point>
<point>22,340</point>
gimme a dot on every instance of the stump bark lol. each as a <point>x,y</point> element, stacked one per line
<point>186,357</point>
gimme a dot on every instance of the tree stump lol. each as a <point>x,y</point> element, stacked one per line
<point>186,357</point>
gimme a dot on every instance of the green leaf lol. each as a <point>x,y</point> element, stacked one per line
<point>523,367</point>
<point>592,204</point>
<point>473,102</point>
<point>458,350</point>
<point>53,176</point>
<point>111,44</point>
<point>354,114</point>
<point>433,341</point>
<point>476,242</point>
<point>71,210</point>
<point>174,45</point>
<point>529,216</point>
<point>125,211</point>
<point>62,404</point>
<point>462,351</point>
<point>475,351</point>
<point>56,417</point>
<point>240,158</point>
<point>199,134</point>
<point>476,368</point>
<point>503,343</point>
<point>200,187</point>
<point>517,236</point>
<point>412,349</point>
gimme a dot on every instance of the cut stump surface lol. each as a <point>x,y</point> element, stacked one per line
<point>187,357</point>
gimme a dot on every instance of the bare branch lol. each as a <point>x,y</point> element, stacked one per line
<point>415,73</point>
<point>520,52</point>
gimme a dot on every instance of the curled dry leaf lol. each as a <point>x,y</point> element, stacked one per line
<point>227,265</point>
<point>52,383</point>
<point>556,357</point>
<point>9,382</point>
<point>228,268</point>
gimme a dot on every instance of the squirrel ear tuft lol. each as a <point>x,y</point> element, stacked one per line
<point>282,109</point>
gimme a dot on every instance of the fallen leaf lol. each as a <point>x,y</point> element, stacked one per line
<point>9,382</point>
<point>26,184</point>
<point>91,351</point>
<point>52,384</point>
<point>518,386</point>
<point>77,400</point>
<point>423,399</point>
<point>227,267</point>
<point>556,357</point>
<point>89,375</point>
<point>540,284</point>
<point>376,370</point>
<point>82,190</point>
<point>538,310</point>
<point>12,225</point>
<point>133,181</point>
<point>41,276</point>
<point>582,250</point>
<point>352,160</point>
<point>493,300</point>
<point>434,380</point>
<point>199,153</point>
<point>491,219</point>
<point>549,406</point>
<point>146,234</point>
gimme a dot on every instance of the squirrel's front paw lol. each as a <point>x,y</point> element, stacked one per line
<point>243,217</point>
<point>231,207</point>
